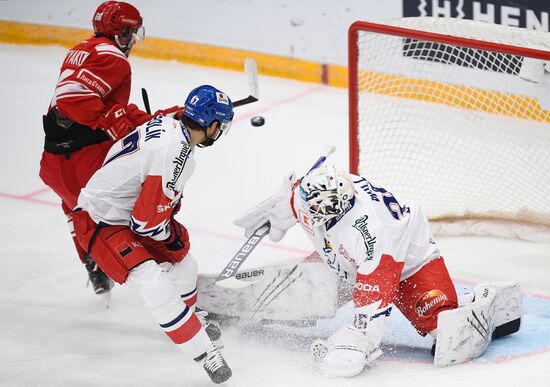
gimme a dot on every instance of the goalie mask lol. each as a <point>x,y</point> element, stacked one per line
<point>327,193</point>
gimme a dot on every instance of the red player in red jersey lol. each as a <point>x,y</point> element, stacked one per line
<point>89,110</point>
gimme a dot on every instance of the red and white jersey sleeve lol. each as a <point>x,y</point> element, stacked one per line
<point>95,76</point>
<point>142,179</point>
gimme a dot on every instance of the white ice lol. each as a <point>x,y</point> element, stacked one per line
<point>55,332</point>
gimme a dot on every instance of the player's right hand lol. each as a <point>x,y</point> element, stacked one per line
<point>175,112</point>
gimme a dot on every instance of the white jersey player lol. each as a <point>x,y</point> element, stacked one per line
<point>125,219</point>
<point>385,249</point>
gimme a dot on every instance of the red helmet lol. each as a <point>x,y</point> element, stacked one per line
<point>117,20</point>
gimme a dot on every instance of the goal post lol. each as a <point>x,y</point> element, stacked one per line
<point>455,115</point>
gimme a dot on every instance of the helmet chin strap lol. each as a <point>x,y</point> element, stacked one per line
<point>208,141</point>
<point>125,48</point>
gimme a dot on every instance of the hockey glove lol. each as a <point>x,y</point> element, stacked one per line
<point>175,112</point>
<point>136,116</point>
<point>179,237</point>
<point>276,210</point>
<point>346,353</point>
<point>116,123</point>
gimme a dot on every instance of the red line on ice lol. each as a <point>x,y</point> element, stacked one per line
<point>279,103</point>
<point>29,198</point>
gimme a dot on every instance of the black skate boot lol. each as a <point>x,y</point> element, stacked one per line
<point>100,282</point>
<point>215,365</point>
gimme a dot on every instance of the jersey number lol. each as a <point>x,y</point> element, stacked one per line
<point>130,144</point>
<point>389,200</point>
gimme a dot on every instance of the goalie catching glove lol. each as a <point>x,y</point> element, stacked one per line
<point>276,210</point>
<point>346,353</point>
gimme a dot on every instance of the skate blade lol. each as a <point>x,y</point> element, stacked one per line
<point>106,299</point>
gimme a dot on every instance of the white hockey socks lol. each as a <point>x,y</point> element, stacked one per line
<point>160,296</point>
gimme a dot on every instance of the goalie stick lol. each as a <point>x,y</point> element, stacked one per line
<point>251,72</point>
<point>231,268</point>
<point>227,277</point>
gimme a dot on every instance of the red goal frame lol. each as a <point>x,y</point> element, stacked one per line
<point>353,52</point>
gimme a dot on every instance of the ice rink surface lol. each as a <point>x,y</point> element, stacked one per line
<point>55,332</point>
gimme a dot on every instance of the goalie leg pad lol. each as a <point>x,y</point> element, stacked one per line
<point>465,333</point>
<point>508,308</point>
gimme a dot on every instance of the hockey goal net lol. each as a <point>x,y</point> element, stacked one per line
<point>455,115</point>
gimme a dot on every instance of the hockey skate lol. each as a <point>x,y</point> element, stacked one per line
<point>344,354</point>
<point>215,365</point>
<point>465,333</point>
<point>212,329</point>
<point>101,283</point>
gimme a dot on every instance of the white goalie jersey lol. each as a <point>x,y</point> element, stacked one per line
<point>142,179</point>
<point>376,225</point>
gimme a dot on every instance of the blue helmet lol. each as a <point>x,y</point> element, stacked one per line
<point>206,104</point>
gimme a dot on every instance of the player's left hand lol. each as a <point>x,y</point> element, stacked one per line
<point>115,122</point>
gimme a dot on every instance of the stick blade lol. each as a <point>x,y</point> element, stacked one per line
<point>329,150</point>
<point>251,71</point>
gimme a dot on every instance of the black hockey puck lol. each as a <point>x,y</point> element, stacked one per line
<point>257,121</point>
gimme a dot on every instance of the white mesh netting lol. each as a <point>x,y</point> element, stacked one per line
<point>462,131</point>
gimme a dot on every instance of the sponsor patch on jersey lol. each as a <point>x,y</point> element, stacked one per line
<point>427,303</point>
<point>93,82</point>
<point>305,221</point>
<point>364,287</point>
<point>179,164</point>
<point>222,98</point>
<point>361,225</point>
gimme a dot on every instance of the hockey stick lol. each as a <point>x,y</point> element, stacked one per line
<point>145,100</point>
<point>227,277</point>
<point>231,268</point>
<point>328,151</point>
<point>251,72</point>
